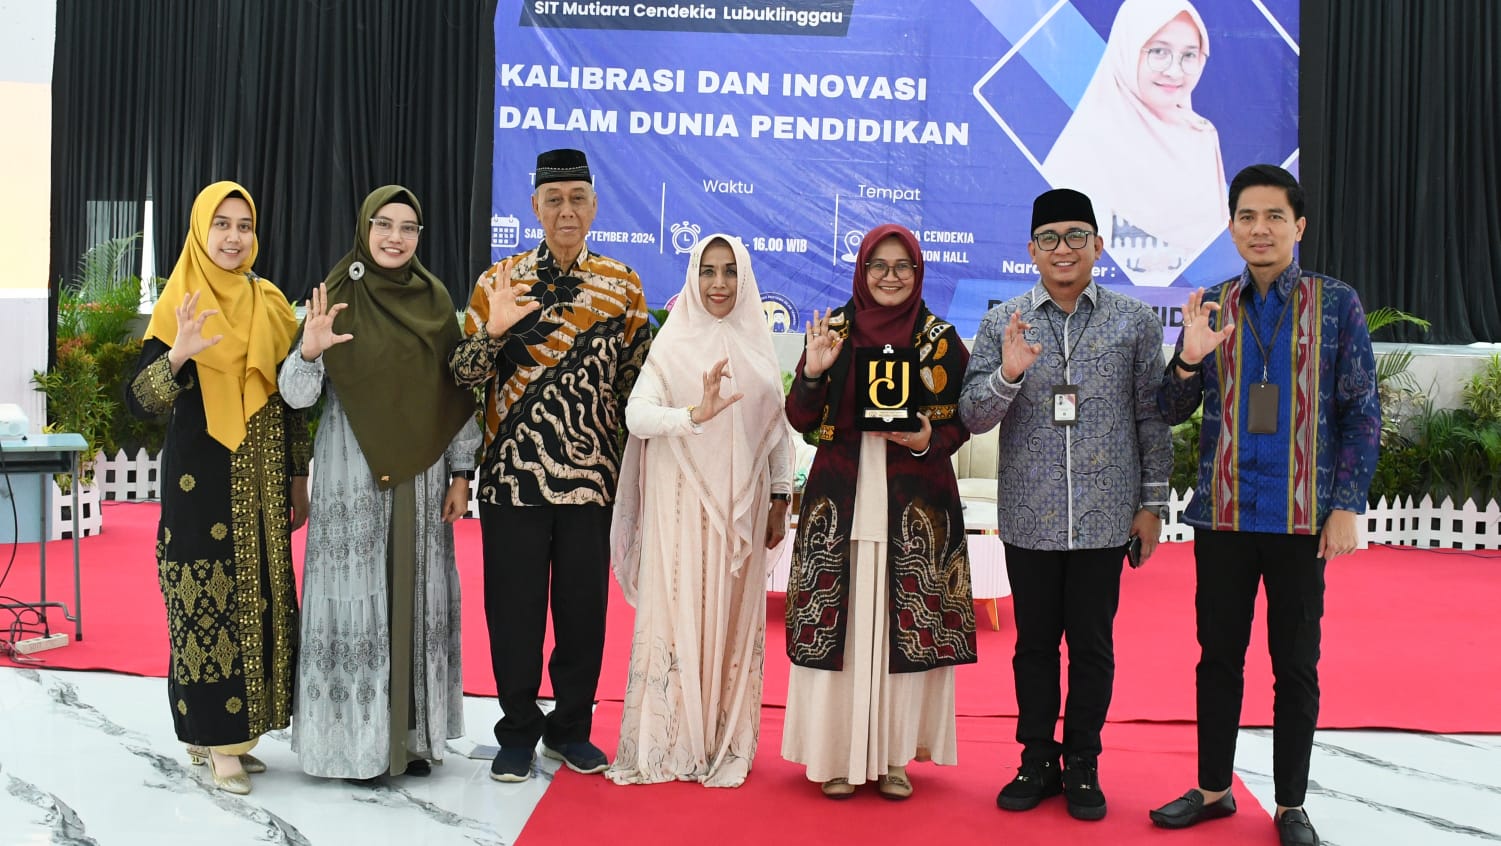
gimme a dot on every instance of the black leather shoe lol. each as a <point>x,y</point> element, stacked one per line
<point>1190,810</point>
<point>1081,790</point>
<point>1034,782</point>
<point>1295,829</point>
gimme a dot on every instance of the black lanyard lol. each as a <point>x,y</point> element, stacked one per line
<point>1276,333</point>
<point>1063,348</point>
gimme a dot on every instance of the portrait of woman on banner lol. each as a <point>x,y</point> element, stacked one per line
<point>1135,146</point>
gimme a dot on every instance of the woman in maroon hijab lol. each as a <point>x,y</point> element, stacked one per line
<point>879,610</point>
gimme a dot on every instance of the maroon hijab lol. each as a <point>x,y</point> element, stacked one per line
<point>876,325</point>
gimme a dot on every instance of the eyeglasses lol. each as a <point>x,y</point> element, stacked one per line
<point>382,226</point>
<point>880,269</point>
<point>1077,239</point>
<point>1160,59</point>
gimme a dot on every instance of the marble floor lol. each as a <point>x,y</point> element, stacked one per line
<point>89,758</point>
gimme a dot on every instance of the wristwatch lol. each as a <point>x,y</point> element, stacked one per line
<point>1178,362</point>
<point>781,497</point>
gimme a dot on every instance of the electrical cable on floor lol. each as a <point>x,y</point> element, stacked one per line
<point>17,630</point>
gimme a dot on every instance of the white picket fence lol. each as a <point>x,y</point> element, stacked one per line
<point>131,479</point>
<point>1403,523</point>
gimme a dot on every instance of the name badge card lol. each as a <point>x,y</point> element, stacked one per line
<point>1263,417</point>
<point>884,397</point>
<point>1066,404</point>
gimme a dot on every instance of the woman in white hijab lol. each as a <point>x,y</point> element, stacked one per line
<point>1135,146</point>
<point>704,489</point>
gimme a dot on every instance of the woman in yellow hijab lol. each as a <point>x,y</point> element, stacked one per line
<point>234,486</point>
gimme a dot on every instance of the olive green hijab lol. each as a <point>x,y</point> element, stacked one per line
<point>393,377</point>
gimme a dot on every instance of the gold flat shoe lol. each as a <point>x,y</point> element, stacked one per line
<point>238,784</point>
<point>198,756</point>
<point>895,787</point>
<point>838,788</point>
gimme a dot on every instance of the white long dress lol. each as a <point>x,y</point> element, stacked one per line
<point>341,725</point>
<point>858,722</point>
<point>692,707</point>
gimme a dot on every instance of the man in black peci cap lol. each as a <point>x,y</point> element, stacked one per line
<point>1069,371</point>
<point>557,335</point>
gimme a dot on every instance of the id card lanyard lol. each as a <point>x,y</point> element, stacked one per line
<point>1265,394</point>
<point>1066,396</point>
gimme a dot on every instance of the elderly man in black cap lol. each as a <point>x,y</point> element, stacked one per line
<point>557,336</point>
<point>1069,371</point>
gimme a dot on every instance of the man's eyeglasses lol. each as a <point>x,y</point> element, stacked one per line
<point>1160,59</point>
<point>382,226</point>
<point>1077,239</point>
<point>880,269</point>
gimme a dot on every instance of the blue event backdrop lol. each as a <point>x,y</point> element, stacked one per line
<point>799,125</point>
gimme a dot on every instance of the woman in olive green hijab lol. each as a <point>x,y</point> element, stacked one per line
<point>378,678</point>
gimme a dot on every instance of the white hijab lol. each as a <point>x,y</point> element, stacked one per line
<point>726,465</point>
<point>1165,177</point>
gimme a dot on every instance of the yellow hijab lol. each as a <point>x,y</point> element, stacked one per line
<point>237,375</point>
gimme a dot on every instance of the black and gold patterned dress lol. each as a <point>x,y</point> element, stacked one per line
<point>224,557</point>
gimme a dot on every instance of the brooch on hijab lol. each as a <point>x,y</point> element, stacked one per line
<point>357,270</point>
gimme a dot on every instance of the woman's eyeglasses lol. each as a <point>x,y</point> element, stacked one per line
<point>383,226</point>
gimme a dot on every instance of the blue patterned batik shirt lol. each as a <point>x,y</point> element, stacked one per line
<point>1073,487</point>
<point>1323,454</point>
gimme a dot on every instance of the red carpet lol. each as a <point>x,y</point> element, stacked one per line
<point>1143,767</point>
<point>1409,636</point>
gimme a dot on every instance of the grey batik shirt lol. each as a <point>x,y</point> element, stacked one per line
<point>1073,487</point>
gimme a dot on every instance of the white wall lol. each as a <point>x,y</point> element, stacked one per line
<point>28,31</point>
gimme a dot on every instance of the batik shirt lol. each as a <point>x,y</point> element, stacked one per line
<point>1328,422</point>
<point>556,384</point>
<point>1077,486</point>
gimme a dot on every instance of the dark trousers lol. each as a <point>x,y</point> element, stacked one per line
<point>528,550</point>
<point>1069,595</point>
<point>1229,567</point>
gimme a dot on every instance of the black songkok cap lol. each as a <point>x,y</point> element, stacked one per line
<point>1061,204</point>
<point>561,166</point>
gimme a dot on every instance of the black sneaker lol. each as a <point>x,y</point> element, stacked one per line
<point>581,756</point>
<point>1081,789</point>
<point>512,763</point>
<point>1034,782</point>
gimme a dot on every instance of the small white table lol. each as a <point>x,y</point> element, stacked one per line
<point>45,455</point>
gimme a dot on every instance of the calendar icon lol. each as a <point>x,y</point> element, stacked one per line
<point>505,232</point>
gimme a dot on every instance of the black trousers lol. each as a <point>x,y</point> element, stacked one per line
<point>1229,566</point>
<point>529,550</point>
<point>1056,595</point>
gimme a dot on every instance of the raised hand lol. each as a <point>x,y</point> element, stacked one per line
<point>1199,339</point>
<point>190,341</point>
<point>318,328</point>
<point>1016,353</point>
<point>713,401</point>
<point>822,346</point>
<point>508,299</point>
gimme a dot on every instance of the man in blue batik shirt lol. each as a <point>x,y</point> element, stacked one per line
<point>1281,360</point>
<point>1069,371</point>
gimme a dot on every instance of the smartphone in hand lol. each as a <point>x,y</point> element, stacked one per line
<point>1133,552</point>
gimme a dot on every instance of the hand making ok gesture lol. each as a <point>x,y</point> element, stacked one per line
<point>822,346</point>
<point>1199,339</point>
<point>190,340</point>
<point>508,299</point>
